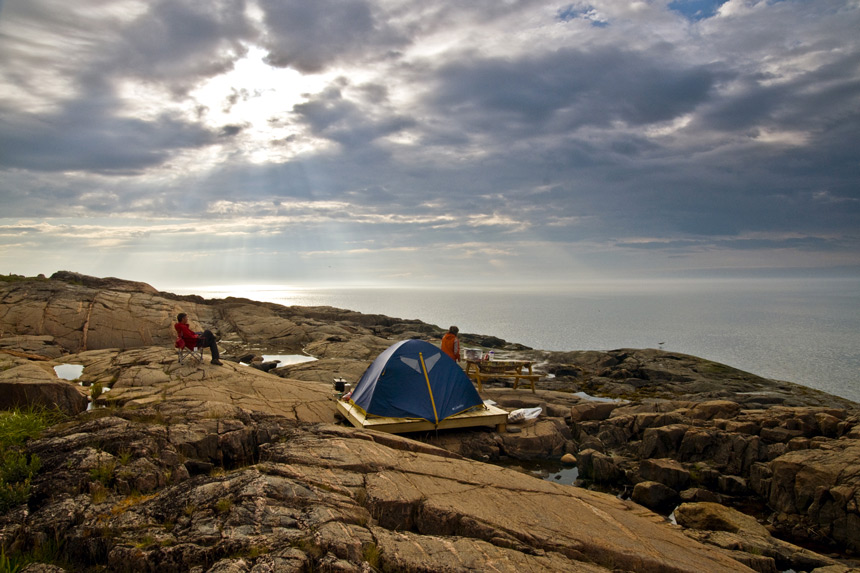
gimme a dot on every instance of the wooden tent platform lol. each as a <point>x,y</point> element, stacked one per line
<point>492,416</point>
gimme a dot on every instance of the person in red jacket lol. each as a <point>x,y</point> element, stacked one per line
<point>451,344</point>
<point>193,340</point>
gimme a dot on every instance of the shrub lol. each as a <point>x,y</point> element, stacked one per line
<point>99,495</point>
<point>19,425</point>
<point>49,551</point>
<point>9,564</point>
<point>16,467</point>
<point>223,505</point>
<point>124,456</point>
<point>13,494</point>
<point>103,473</point>
<point>371,553</point>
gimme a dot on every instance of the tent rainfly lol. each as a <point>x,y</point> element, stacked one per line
<point>414,379</point>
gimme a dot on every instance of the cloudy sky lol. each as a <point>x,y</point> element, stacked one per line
<point>192,142</point>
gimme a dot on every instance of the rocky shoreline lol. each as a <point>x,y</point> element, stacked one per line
<point>234,468</point>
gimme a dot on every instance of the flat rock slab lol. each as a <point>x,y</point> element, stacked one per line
<point>148,375</point>
<point>443,497</point>
<point>316,495</point>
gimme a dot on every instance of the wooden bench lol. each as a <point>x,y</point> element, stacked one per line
<point>481,370</point>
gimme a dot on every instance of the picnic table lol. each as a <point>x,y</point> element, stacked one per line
<point>481,370</point>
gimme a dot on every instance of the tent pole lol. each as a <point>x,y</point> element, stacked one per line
<point>430,390</point>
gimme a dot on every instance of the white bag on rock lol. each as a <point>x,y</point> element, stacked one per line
<point>524,414</point>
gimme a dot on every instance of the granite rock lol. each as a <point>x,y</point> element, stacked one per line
<point>275,485</point>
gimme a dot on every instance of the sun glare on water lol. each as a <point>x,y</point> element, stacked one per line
<point>280,294</point>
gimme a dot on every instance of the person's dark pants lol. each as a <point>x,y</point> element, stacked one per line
<point>208,340</point>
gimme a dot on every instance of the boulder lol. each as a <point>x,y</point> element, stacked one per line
<point>662,442</point>
<point>601,467</point>
<point>542,438</point>
<point>24,383</point>
<point>695,494</point>
<point>715,409</point>
<point>31,347</point>
<point>656,496</point>
<point>730,529</point>
<point>716,517</point>
<point>779,434</point>
<point>666,471</point>
<point>732,485</point>
<point>817,487</point>
<point>592,411</point>
<point>647,420</point>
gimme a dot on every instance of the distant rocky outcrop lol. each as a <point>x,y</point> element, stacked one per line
<point>197,467</point>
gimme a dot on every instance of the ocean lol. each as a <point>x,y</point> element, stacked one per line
<point>805,331</point>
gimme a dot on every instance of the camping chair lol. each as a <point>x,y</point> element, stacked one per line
<point>183,352</point>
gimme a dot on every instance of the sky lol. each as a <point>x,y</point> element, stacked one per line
<point>435,143</point>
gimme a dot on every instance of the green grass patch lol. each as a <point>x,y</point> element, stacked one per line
<point>17,468</point>
<point>21,424</point>
<point>103,473</point>
<point>223,505</point>
<point>308,547</point>
<point>133,499</point>
<point>46,552</point>
<point>371,554</point>
<point>124,456</point>
<point>99,495</point>
<point>10,563</point>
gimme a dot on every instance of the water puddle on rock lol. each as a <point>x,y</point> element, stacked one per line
<point>547,470</point>
<point>287,359</point>
<point>69,371</point>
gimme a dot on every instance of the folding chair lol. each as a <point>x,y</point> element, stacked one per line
<point>183,352</point>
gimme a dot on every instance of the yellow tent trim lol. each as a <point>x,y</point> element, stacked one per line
<point>427,378</point>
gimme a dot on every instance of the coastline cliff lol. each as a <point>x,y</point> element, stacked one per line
<point>183,467</point>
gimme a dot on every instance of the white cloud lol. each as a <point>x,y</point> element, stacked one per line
<point>547,131</point>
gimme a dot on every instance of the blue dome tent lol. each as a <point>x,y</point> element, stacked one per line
<point>414,379</point>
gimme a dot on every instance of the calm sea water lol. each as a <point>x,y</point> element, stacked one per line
<point>804,331</point>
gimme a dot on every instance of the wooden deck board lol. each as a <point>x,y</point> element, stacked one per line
<point>492,416</point>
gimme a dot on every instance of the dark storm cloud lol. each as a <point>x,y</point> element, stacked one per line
<point>171,44</point>
<point>310,36</point>
<point>330,115</point>
<point>180,43</point>
<point>231,130</point>
<point>656,128</point>
<point>567,89</point>
<point>75,139</point>
<point>811,100</point>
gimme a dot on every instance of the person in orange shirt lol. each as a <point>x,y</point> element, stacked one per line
<point>451,344</point>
